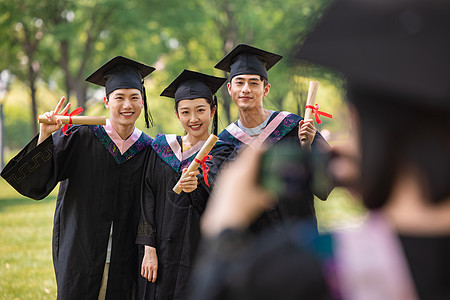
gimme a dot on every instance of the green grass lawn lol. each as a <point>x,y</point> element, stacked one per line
<point>26,269</point>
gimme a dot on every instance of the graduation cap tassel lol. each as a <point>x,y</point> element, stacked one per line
<point>214,125</point>
<point>147,115</point>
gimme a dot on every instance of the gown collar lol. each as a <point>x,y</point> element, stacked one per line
<point>280,124</point>
<point>168,147</point>
<point>122,145</point>
<point>142,142</point>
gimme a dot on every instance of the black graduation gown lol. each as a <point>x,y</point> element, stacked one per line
<point>287,131</point>
<point>98,186</point>
<point>171,222</point>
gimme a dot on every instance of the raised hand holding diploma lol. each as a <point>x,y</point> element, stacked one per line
<point>199,158</point>
<point>52,123</point>
<point>84,120</point>
<point>53,120</point>
<point>53,116</point>
<point>307,129</point>
<point>312,92</point>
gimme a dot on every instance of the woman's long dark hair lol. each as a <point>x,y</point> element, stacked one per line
<point>214,124</point>
<point>397,131</point>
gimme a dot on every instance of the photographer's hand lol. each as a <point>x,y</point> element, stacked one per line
<point>237,198</point>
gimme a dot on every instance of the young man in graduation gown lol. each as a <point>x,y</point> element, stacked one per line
<point>99,169</point>
<point>247,87</point>
<point>170,224</point>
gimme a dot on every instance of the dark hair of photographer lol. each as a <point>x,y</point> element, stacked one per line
<point>395,135</point>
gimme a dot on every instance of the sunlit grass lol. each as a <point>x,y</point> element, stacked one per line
<point>26,268</point>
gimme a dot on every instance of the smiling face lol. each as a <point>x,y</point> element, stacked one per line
<point>248,91</point>
<point>125,106</point>
<point>195,116</point>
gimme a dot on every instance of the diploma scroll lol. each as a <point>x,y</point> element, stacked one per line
<point>82,120</point>
<point>312,92</point>
<point>209,144</point>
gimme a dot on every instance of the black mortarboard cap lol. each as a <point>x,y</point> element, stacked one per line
<point>245,59</point>
<point>400,47</point>
<point>124,73</point>
<point>191,85</point>
<point>120,73</point>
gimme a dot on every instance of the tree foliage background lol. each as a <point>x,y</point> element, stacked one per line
<point>50,46</point>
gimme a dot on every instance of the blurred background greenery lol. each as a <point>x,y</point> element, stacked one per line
<point>49,47</point>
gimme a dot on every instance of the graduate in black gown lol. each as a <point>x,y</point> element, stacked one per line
<point>99,169</point>
<point>248,86</point>
<point>169,227</point>
<point>395,57</point>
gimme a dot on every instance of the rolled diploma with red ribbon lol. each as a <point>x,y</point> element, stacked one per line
<point>82,120</point>
<point>312,92</point>
<point>207,146</point>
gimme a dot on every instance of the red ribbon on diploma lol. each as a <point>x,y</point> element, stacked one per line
<point>66,126</point>
<point>205,168</point>
<point>317,113</point>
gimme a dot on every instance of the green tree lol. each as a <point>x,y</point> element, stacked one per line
<point>67,40</point>
<point>23,28</point>
<point>91,32</point>
<point>204,31</point>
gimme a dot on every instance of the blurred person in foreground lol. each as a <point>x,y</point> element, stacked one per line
<point>395,57</point>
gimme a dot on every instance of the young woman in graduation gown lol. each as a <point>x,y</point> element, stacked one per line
<point>99,169</point>
<point>401,169</point>
<point>169,227</point>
